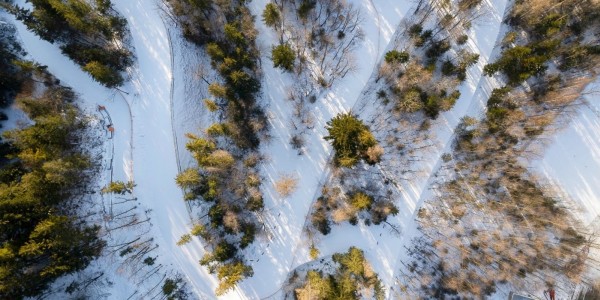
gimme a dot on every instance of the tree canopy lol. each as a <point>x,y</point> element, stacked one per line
<point>350,139</point>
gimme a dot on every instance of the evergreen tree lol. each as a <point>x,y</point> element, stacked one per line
<point>350,139</point>
<point>230,274</point>
<point>118,187</point>
<point>283,57</point>
<point>271,15</point>
<point>361,201</point>
<point>189,178</point>
<point>395,56</point>
<point>103,74</point>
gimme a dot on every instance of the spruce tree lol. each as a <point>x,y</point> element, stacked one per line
<point>350,139</point>
<point>283,57</point>
<point>271,15</point>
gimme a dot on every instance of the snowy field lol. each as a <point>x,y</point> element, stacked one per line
<point>163,100</point>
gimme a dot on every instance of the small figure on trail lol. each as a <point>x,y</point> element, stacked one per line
<point>101,107</point>
<point>551,293</point>
<point>111,129</point>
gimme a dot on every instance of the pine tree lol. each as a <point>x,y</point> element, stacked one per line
<point>395,56</point>
<point>271,15</point>
<point>230,274</point>
<point>103,74</point>
<point>361,201</point>
<point>189,178</point>
<point>118,187</point>
<point>283,57</point>
<point>350,139</point>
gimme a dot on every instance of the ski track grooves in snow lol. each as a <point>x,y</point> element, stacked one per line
<point>172,109</point>
<point>155,145</point>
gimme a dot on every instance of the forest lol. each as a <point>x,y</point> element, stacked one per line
<point>43,173</point>
<point>299,149</point>
<point>89,32</point>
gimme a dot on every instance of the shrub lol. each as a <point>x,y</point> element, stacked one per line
<point>396,56</point>
<point>305,7</point>
<point>313,252</point>
<point>410,101</point>
<point>186,238</point>
<point>211,105</point>
<point>198,230</point>
<point>415,30</point>
<point>118,187</point>
<point>255,202</point>
<point>217,90</point>
<point>286,185</point>
<point>361,201</point>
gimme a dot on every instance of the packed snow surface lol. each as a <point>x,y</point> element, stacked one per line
<point>161,102</point>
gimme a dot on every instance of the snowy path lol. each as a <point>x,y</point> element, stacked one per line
<point>272,259</point>
<point>571,163</point>
<point>154,151</point>
<point>153,144</point>
<point>384,246</point>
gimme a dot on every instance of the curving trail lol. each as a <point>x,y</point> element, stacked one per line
<point>150,95</point>
<point>145,110</point>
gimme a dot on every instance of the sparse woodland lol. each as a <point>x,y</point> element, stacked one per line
<point>342,276</point>
<point>488,225</point>
<point>90,32</point>
<point>226,152</point>
<point>317,37</point>
<point>492,222</point>
<point>316,46</point>
<point>423,72</point>
<point>350,195</point>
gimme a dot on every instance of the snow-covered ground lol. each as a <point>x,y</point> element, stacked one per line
<point>143,131</point>
<point>384,247</point>
<point>572,162</point>
<point>287,248</point>
<point>162,102</point>
<point>285,220</point>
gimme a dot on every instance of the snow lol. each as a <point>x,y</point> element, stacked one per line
<point>143,130</point>
<point>273,259</point>
<point>162,102</point>
<point>384,247</point>
<point>572,162</point>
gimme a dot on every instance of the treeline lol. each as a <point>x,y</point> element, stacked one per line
<point>347,276</point>
<point>227,151</point>
<point>492,223</point>
<point>42,171</point>
<point>347,197</point>
<point>11,76</point>
<point>89,32</point>
<point>423,73</point>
